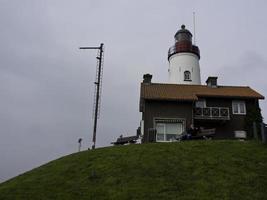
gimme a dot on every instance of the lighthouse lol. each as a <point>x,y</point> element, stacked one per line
<point>183,59</point>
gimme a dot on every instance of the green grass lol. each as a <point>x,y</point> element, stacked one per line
<point>185,170</point>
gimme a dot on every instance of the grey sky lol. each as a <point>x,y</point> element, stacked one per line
<point>46,83</point>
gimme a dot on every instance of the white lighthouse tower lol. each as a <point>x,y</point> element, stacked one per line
<point>184,59</point>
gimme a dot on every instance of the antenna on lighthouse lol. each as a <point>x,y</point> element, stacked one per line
<point>194,25</point>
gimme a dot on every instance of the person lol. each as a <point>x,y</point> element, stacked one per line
<point>190,132</point>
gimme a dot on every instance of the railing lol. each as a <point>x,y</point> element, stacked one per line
<point>184,47</point>
<point>219,113</point>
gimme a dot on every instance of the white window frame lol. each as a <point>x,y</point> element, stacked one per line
<point>165,134</point>
<point>239,103</point>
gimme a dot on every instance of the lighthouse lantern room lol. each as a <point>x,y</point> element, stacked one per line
<point>184,59</point>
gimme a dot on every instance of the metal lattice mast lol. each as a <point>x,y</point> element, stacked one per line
<point>98,87</point>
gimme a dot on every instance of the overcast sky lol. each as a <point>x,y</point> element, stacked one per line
<point>46,82</point>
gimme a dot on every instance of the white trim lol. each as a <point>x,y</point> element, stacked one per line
<point>142,126</point>
<point>239,103</point>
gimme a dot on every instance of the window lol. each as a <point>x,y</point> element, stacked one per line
<point>241,134</point>
<point>168,131</point>
<point>187,76</point>
<point>239,107</point>
<point>200,103</point>
<point>160,132</point>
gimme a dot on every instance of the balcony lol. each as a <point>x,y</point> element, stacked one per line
<point>213,113</point>
<point>183,47</point>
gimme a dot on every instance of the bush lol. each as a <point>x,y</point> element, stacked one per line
<point>253,115</point>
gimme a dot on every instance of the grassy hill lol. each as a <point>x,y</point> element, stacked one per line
<point>185,170</point>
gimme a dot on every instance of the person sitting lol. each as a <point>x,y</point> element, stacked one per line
<point>190,131</point>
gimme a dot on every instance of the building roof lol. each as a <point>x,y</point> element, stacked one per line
<point>179,92</point>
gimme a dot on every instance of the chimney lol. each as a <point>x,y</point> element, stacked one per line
<point>147,78</point>
<point>212,81</point>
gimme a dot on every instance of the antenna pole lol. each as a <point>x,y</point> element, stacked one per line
<point>194,24</point>
<point>98,87</point>
<point>97,92</point>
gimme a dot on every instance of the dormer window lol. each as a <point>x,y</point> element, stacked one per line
<point>187,76</point>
